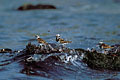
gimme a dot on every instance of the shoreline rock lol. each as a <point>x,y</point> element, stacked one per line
<point>94,60</point>
<point>100,61</point>
<point>34,7</point>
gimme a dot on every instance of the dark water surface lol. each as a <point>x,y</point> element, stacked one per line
<point>84,22</point>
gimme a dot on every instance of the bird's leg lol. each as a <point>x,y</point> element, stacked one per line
<point>45,46</point>
<point>41,46</point>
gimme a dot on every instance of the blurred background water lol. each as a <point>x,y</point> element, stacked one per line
<point>84,22</point>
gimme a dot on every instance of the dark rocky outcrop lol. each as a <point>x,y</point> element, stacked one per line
<point>32,7</point>
<point>6,50</point>
<point>54,52</point>
<point>102,61</point>
<point>94,60</point>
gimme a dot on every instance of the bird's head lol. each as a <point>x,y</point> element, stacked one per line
<point>100,44</point>
<point>37,36</point>
<point>57,35</point>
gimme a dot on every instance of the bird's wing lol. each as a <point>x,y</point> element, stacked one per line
<point>41,40</point>
<point>63,41</point>
<point>107,46</point>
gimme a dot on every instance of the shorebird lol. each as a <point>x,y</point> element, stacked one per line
<point>60,40</point>
<point>102,45</point>
<point>40,40</point>
<point>44,44</point>
<point>91,50</point>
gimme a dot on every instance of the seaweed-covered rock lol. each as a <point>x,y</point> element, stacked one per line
<point>102,61</point>
<point>30,48</point>
<point>38,49</point>
<point>6,50</point>
<point>46,49</point>
<point>59,53</point>
<point>93,59</point>
<point>32,7</point>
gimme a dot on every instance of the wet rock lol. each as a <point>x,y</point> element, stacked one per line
<point>32,7</point>
<point>102,61</point>
<point>45,49</point>
<point>112,79</point>
<point>99,60</point>
<point>52,53</point>
<point>6,50</point>
<point>115,50</point>
<point>30,48</point>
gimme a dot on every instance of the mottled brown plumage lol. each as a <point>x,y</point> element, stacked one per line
<point>60,40</point>
<point>40,40</point>
<point>104,46</point>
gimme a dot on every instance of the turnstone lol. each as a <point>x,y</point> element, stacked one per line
<point>44,44</point>
<point>102,45</point>
<point>60,40</point>
<point>40,40</point>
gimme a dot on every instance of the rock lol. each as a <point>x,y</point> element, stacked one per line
<point>32,7</point>
<point>6,50</point>
<point>102,61</point>
<point>51,52</point>
<point>42,49</point>
<point>115,49</point>
<point>112,79</point>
